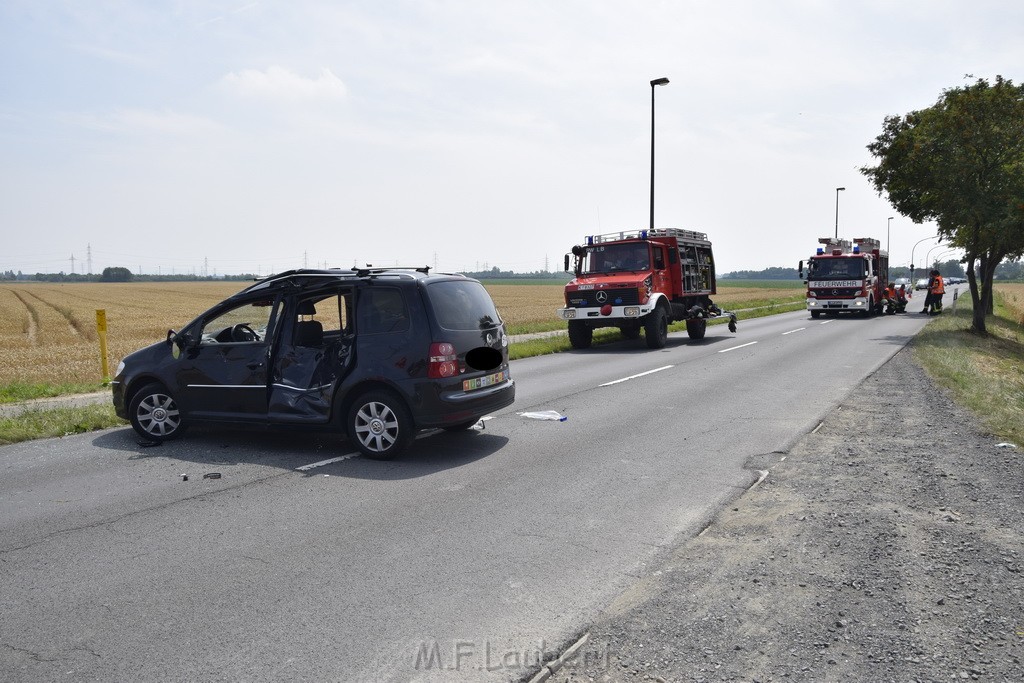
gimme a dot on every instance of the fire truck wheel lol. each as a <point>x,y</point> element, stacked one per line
<point>580,335</point>
<point>696,328</point>
<point>870,310</point>
<point>656,329</point>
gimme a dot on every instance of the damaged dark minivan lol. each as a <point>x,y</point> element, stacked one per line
<point>378,353</point>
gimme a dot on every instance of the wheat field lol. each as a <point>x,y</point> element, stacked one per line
<point>48,331</point>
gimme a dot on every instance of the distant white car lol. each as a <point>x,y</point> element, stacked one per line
<point>905,281</point>
<point>922,283</point>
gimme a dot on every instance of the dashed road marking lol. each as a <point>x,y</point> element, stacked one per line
<point>737,347</point>
<point>314,465</point>
<point>626,379</point>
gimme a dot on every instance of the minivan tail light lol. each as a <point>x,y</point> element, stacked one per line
<point>443,361</point>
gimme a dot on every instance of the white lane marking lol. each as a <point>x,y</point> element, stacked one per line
<point>306,468</point>
<point>737,347</point>
<point>826,322</point>
<point>792,331</point>
<point>626,379</point>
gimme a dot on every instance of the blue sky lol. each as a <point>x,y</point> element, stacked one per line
<point>261,136</point>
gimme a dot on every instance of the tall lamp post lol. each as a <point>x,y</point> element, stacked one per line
<point>838,190</point>
<point>888,251</point>
<point>927,258</point>
<point>656,81</point>
<point>912,255</point>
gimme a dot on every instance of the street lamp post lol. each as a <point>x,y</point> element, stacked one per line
<point>912,255</point>
<point>888,251</point>
<point>927,258</point>
<point>838,190</point>
<point>656,81</point>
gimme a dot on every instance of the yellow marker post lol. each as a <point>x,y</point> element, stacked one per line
<point>101,329</point>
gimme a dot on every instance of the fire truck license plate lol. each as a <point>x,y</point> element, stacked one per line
<point>481,382</point>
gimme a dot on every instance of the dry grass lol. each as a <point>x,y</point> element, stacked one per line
<point>1012,295</point>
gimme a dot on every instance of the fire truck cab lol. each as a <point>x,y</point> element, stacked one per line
<point>846,278</point>
<point>641,280</point>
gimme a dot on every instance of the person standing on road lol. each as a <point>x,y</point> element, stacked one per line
<point>936,288</point>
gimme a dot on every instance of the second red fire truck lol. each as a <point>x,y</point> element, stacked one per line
<point>845,278</point>
<point>641,280</point>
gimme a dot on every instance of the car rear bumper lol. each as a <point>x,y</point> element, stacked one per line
<point>455,407</point>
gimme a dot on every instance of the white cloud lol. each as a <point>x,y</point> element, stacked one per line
<point>278,83</point>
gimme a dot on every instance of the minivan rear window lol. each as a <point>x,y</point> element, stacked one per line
<point>462,305</point>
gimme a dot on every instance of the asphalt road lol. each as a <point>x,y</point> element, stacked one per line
<point>471,558</point>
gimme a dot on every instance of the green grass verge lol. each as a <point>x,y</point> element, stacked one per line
<point>19,391</point>
<point>41,424</point>
<point>985,373</point>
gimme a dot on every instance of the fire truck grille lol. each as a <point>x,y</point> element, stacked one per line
<point>616,297</point>
<point>837,293</point>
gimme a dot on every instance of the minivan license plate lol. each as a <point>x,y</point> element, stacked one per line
<point>481,382</point>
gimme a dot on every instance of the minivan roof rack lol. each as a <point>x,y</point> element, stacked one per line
<point>370,270</point>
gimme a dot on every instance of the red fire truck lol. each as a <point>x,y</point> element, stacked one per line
<point>845,278</point>
<point>641,280</point>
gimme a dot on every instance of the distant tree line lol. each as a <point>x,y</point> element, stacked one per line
<point>117,274</point>
<point>773,273</point>
<point>496,273</point>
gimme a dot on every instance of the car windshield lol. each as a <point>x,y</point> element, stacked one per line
<point>611,258</point>
<point>836,269</point>
<point>462,305</point>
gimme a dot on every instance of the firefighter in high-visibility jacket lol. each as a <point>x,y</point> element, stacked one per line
<point>936,288</point>
<point>892,299</point>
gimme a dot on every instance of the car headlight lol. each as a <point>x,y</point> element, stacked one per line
<point>120,369</point>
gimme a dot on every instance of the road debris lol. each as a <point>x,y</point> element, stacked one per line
<point>552,415</point>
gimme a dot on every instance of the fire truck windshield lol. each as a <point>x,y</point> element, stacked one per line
<point>615,257</point>
<point>836,269</point>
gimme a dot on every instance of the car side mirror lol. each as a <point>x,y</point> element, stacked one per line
<point>567,263</point>
<point>800,270</point>
<point>180,339</point>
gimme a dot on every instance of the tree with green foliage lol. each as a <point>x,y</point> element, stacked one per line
<point>960,163</point>
<point>116,274</point>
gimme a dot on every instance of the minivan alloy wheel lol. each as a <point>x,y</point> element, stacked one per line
<point>154,413</point>
<point>380,425</point>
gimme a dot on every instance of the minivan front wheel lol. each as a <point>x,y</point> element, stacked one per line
<point>379,425</point>
<point>154,413</point>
